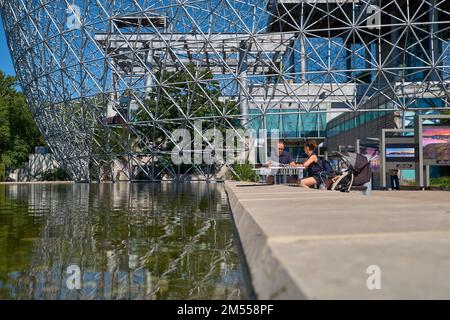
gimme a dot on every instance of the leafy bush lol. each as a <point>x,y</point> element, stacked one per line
<point>56,175</point>
<point>441,182</point>
<point>244,172</point>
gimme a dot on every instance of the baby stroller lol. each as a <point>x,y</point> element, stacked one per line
<point>355,171</point>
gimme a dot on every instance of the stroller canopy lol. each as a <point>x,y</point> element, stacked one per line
<point>360,166</point>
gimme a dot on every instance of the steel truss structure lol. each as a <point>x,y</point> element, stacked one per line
<point>108,81</point>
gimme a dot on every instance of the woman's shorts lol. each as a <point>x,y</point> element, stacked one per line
<point>317,178</point>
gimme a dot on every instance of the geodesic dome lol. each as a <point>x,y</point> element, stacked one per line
<point>108,81</point>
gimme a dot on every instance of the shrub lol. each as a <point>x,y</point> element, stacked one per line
<point>244,172</point>
<point>441,182</point>
<point>56,175</point>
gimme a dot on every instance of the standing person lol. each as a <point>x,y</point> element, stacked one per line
<point>282,157</point>
<point>312,164</point>
<point>395,183</point>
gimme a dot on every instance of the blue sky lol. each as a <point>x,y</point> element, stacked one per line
<point>5,59</point>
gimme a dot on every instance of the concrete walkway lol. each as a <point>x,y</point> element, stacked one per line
<point>310,244</point>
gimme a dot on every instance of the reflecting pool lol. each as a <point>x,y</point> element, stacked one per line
<point>117,241</point>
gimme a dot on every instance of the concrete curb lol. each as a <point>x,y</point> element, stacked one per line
<point>310,244</point>
<point>269,278</point>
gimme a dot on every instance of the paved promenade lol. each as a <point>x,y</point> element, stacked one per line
<point>310,244</point>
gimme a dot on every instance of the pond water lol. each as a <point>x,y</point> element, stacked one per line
<point>118,241</point>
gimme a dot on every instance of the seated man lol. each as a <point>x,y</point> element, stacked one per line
<point>282,158</point>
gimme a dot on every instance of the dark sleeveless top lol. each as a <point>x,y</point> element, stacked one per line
<point>314,168</point>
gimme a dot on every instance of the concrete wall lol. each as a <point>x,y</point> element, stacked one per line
<point>36,166</point>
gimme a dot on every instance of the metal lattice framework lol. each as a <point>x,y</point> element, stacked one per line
<point>108,81</point>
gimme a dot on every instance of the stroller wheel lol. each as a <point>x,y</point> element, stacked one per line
<point>344,182</point>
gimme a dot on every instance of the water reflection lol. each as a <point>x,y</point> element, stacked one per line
<point>130,241</point>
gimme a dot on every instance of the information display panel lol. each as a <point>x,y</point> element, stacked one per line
<point>432,134</point>
<point>436,144</point>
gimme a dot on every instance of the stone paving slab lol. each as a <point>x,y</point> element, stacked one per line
<point>310,244</point>
<point>413,266</point>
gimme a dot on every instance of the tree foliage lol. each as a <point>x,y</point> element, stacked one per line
<point>18,131</point>
<point>179,100</point>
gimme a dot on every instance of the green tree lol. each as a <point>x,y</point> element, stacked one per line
<point>18,131</point>
<point>183,96</point>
